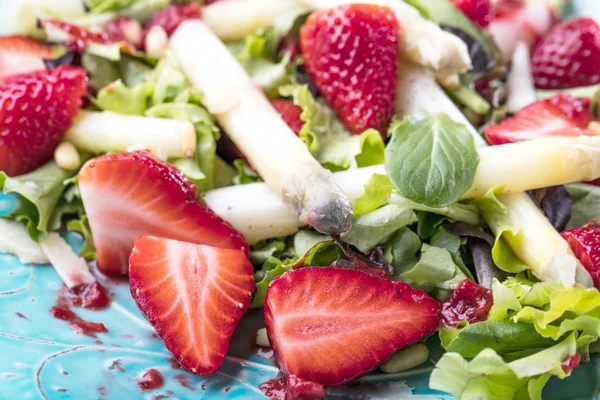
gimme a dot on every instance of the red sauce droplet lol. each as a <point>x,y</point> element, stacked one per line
<point>183,381</point>
<point>62,311</point>
<point>91,295</point>
<point>18,314</point>
<point>152,379</point>
<point>469,302</point>
<point>174,363</point>
<point>571,362</point>
<point>274,389</point>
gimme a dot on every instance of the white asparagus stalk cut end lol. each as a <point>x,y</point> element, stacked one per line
<point>106,131</point>
<point>278,155</point>
<point>15,240</point>
<point>520,86</point>
<point>72,269</point>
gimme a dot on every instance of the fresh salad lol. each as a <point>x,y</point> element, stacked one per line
<point>381,177</point>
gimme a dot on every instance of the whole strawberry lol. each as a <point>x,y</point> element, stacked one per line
<point>36,109</point>
<point>585,243</point>
<point>568,56</point>
<point>478,11</point>
<point>351,52</point>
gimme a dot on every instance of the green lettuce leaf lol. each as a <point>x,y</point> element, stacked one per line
<point>377,190</point>
<point>489,377</point>
<point>202,171</point>
<point>496,216</point>
<point>431,159</point>
<point>463,212</point>
<point>327,138</point>
<point>404,247</point>
<point>435,267</point>
<point>260,252</point>
<point>124,100</point>
<point>271,269</point>
<point>501,336</point>
<point>586,199</point>
<point>82,226</point>
<point>245,174</point>
<point>39,193</point>
<point>378,226</point>
<point>306,239</point>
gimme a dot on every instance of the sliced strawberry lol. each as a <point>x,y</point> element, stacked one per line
<point>172,15</point>
<point>595,182</point>
<point>331,325</point>
<point>194,295</point>
<point>36,109</point>
<point>568,56</point>
<point>585,243</point>
<point>351,52</point>
<point>478,11</point>
<point>561,115</point>
<point>290,113</point>
<point>20,54</point>
<point>132,194</point>
<point>469,302</point>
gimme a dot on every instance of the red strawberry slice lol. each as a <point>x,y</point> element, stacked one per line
<point>561,115</point>
<point>351,52</point>
<point>568,56</point>
<point>194,295</point>
<point>20,54</point>
<point>585,243</point>
<point>478,11</point>
<point>132,194</point>
<point>331,325</point>
<point>290,113</point>
<point>36,109</point>
<point>172,15</point>
<point>469,302</point>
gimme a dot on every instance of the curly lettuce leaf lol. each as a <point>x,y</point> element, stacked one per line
<point>202,170</point>
<point>496,216</point>
<point>39,193</point>
<point>257,54</point>
<point>260,252</point>
<point>82,226</point>
<point>124,100</point>
<point>271,269</point>
<point>489,377</point>
<point>327,138</point>
<point>463,212</point>
<point>377,191</point>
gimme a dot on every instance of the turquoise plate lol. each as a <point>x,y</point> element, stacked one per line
<point>43,358</point>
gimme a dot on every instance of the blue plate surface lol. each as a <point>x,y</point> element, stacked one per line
<point>43,358</point>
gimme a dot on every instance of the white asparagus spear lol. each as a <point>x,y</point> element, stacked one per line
<point>15,240</point>
<point>549,162</point>
<point>421,41</point>
<point>72,269</point>
<point>108,131</point>
<point>278,155</point>
<point>234,19</point>
<point>519,84</point>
